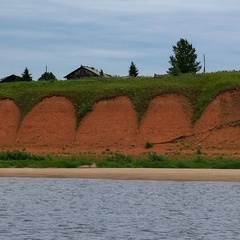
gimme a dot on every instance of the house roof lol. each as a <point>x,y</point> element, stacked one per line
<point>91,69</point>
<point>9,78</point>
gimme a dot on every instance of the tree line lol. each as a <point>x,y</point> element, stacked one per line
<point>47,76</point>
<point>183,61</point>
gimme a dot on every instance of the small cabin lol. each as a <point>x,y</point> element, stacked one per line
<point>84,71</point>
<point>10,78</point>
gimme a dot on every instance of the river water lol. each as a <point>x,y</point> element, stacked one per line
<point>32,208</point>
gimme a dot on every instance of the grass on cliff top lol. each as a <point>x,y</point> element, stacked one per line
<point>21,159</point>
<point>200,89</point>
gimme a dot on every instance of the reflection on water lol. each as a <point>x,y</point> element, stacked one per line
<point>108,209</point>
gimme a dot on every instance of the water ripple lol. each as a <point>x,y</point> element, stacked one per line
<point>106,209</point>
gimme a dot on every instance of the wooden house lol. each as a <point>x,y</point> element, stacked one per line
<point>83,71</point>
<point>11,78</point>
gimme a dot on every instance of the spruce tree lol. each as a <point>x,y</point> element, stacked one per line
<point>184,59</point>
<point>133,71</point>
<point>26,76</point>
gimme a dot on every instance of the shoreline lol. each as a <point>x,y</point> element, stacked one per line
<point>163,174</point>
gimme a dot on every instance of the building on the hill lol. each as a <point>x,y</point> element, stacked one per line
<point>10,78</point>
<point>84,71</point>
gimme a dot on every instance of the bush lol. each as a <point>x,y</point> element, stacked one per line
<point>47,76</point>
<point>116,160</point>
<point>156,157</point>
<point>21,155</point>
<point>148,145</point>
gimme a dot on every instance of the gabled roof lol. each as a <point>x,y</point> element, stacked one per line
<point>91,69</point>
<point>10,78</point>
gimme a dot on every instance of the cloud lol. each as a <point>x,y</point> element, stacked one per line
<point>109,34</point>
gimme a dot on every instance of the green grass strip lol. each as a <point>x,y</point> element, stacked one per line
<point>21,159</point>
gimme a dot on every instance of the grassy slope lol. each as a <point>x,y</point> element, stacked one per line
<point>201,89</point>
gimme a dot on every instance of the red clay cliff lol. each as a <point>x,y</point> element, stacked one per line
<point>52,127</point>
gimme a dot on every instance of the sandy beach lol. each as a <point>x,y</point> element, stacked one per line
<point>232,175</point>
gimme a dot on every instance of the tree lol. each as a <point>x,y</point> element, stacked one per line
<point>133,71</point>
<point>47,76</point>
<point>26,76</point>
<point>184,59</point>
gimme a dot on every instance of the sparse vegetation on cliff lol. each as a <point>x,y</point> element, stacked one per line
<point>200,89</point>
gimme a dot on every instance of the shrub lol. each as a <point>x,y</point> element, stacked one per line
<point>47,76</point>
<point>21,155</point>
<point>156,157</point>
<point>199,149</point>
<point>148,144</point>
<point>116,160</point>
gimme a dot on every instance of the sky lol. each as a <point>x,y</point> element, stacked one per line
<point>110,34</point>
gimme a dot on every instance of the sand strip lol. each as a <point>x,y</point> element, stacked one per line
<point>232,175</point>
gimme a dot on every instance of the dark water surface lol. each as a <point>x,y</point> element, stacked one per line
<point>107,209</point>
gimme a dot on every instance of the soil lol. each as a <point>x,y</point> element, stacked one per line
<point>9,119</point>
<point>51,126</point>
<point>168,117</point>
<point>111,124</point>
<point>218,129</point>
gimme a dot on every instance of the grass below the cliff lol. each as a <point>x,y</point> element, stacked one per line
<point>21,159</point>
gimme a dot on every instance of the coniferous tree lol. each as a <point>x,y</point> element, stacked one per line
<point>26,76</point>
<point>47,76</point>
<point>133,71</point>
<point>184,59</point>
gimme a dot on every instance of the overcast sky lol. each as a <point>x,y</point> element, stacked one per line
<point>109,34</point>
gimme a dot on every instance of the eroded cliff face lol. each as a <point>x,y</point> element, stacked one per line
<point>219,125</point>
<point>9,120</point>
<point>111,123</point>
<point>51,123</point>
<point>51,126</point>
<point>168,116</point>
